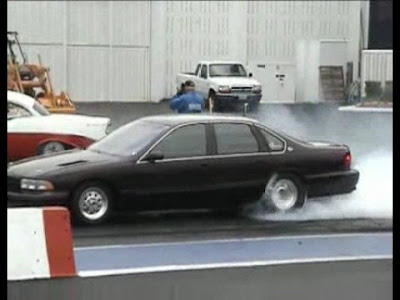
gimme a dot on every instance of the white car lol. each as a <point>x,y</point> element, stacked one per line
<point>223,83</point>
<point>32,130</point>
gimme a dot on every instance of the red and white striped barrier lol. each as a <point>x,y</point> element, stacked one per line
<point>39,243</point>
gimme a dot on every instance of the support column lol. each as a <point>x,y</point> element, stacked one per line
<point>238,31</point>
<point>158,82</point>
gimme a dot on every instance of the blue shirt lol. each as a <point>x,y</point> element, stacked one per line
<point>187,103</point>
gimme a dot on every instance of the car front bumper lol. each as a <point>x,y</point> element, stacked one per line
<point>332,183</point>
<point>20,199</point>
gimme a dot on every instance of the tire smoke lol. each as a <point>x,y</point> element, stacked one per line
<point>373,197</point>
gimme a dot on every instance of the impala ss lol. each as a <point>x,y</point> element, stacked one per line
<point>183,161</point>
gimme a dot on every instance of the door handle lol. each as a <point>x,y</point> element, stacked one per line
<point>204,165</point>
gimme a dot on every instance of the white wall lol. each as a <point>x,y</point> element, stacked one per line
<point>201,30</point>
<point>307,74</point>
<point>289,32</point>
<point>97,50</point>
<point>132,50</point>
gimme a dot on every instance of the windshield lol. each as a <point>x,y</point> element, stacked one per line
<point>40,109</point>
<point>227,70</point>
<point>129,139</point>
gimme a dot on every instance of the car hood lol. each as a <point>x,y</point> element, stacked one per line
<point>38,166</point>
<point>234,81</point>
<point>91,127</point>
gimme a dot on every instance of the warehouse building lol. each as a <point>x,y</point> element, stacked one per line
<point>300,51</point>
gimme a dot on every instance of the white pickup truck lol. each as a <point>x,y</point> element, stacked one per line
<point>223,84</point>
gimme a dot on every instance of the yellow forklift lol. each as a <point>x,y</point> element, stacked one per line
<point>33,80</point>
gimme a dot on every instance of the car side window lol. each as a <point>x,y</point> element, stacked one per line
<point>197,69</point>
<point>235,138</point>
<point>273,143</point>
<point>187,141</point>
<point>16,111</point>
<point>203,73</point>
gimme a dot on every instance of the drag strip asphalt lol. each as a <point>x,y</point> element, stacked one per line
<point>181,227</point>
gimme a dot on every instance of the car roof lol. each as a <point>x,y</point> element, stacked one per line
<point>173,120</point>
<point>19,98</point>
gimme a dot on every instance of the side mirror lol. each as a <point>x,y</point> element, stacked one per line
<point>250,74</point>
<point>153,156</point>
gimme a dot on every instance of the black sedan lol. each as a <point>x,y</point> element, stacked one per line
<point>183,162</point>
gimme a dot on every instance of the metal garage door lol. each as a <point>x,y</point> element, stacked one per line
<point>97,50</point>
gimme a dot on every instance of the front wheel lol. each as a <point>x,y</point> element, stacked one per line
<point>91,203</point>
<point>283,193</point>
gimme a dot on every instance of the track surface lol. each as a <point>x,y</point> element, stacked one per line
<point>170,227</point>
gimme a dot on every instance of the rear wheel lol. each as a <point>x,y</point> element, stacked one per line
<point>51,147</point>
<point>91,203</point>
<point>283,193</point>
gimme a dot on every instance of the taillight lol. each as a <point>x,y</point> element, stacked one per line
<point>347,159</point>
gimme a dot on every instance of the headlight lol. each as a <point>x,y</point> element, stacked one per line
<point>36,185</point>
<point>224,89</point>
<point>257,89</point>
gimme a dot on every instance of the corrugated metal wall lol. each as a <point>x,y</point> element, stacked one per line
<point>269,31</point>
<point>97,50</point>
<point>195,30</point>
<point>274,27</point>
<point>377,65</point>
<point>113,50</point>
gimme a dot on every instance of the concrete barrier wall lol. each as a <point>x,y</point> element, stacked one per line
<point>366,279</point>
<point>39,243</point>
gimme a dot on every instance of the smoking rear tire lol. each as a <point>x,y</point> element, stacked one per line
<point>284,193</point>
<point>91,203</point>
<point>51,147</point>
